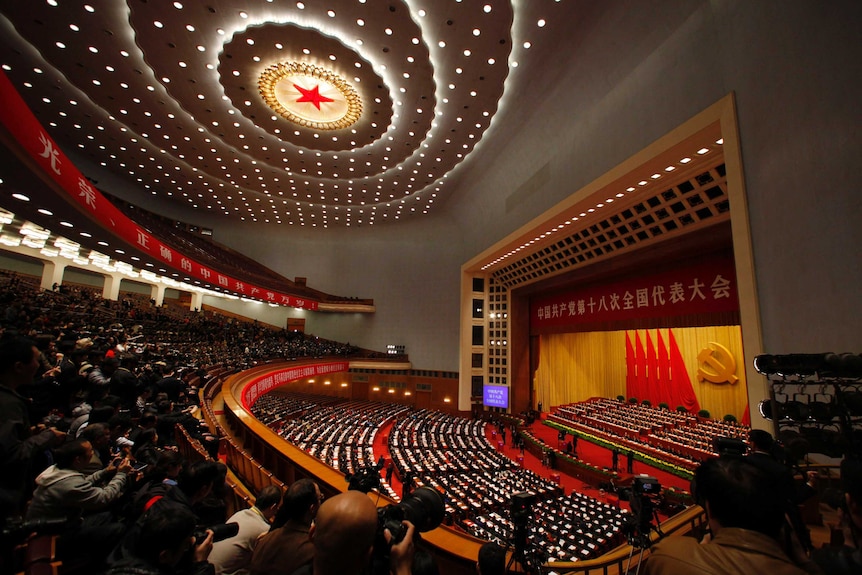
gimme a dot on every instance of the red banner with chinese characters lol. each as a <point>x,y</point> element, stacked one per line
<point>708,286</point>
<point>34,139</point>
<point>266,383</point>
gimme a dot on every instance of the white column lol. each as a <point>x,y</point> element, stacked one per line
<point>197,301</point>
<point>157,292</point>
<point>111,289</point>
<point>52,273</point>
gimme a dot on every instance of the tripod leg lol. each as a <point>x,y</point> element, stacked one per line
<point>640,561</point>
<point>629,562</point>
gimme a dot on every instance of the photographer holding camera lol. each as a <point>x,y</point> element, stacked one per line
<point>166,541</point>
<point>343,536</point>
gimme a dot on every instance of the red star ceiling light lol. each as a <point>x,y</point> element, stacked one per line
<point>310,96</point>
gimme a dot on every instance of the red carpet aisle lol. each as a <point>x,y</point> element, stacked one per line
<point>381,447</point>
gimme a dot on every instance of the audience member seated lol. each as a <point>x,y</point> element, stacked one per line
<point>288,546</point>
<point>232,556</point>
<point>491,560</point>
<point>19,446</point>
<point>745,516</point>
<point>64,493</point>
<point>166,546</point>
<point>193,485</point>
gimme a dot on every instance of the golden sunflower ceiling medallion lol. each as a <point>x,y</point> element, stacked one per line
<point>310,96</point>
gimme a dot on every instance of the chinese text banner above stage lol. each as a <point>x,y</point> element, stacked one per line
<point>708,286</point>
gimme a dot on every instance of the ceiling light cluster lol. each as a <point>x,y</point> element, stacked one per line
<point>417,102</point>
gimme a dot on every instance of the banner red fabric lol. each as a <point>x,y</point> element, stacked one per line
<point>746,417</point>
<point>265,383</point>
<point>35,141</point>
<point>707,286</point>
<point>680,379</point>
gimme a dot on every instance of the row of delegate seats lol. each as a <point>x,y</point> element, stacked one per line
<point>431,441</point>
<point>477,490</point>
<point>582,528</point>
<point>273,408</point>
<point>570,529</point>
<point>342,435</point>
<point>669,434</point>
<point>477,493</point>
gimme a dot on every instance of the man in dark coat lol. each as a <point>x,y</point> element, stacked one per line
<point>19,446</point>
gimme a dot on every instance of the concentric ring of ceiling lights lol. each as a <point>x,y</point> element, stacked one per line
<point>166,95</point>
<point>310,96</point>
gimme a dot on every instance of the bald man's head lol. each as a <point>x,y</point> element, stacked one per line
<point>343,533</point>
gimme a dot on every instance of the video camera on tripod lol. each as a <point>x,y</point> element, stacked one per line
<point>520,513</point>
<point>643,496</point>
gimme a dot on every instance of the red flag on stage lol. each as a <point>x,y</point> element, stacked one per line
<point>631,377</point>
<point>641,365</point>
<point>664,383</point>
<point>680,379</point>
<point>746,417</point>
<point>652,393</point>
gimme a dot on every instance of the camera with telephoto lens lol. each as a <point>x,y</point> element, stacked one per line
<point>423,507</point>
<point>220,532</point>
<point>16,530</point>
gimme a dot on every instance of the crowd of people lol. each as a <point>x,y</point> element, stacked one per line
<point>91,392</point>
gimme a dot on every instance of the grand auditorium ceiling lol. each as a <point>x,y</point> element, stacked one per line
<point>316,114</point>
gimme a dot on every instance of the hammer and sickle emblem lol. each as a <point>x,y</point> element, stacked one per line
<point>721,363</point>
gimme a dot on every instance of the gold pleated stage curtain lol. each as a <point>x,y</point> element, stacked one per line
<point>576,366</point>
